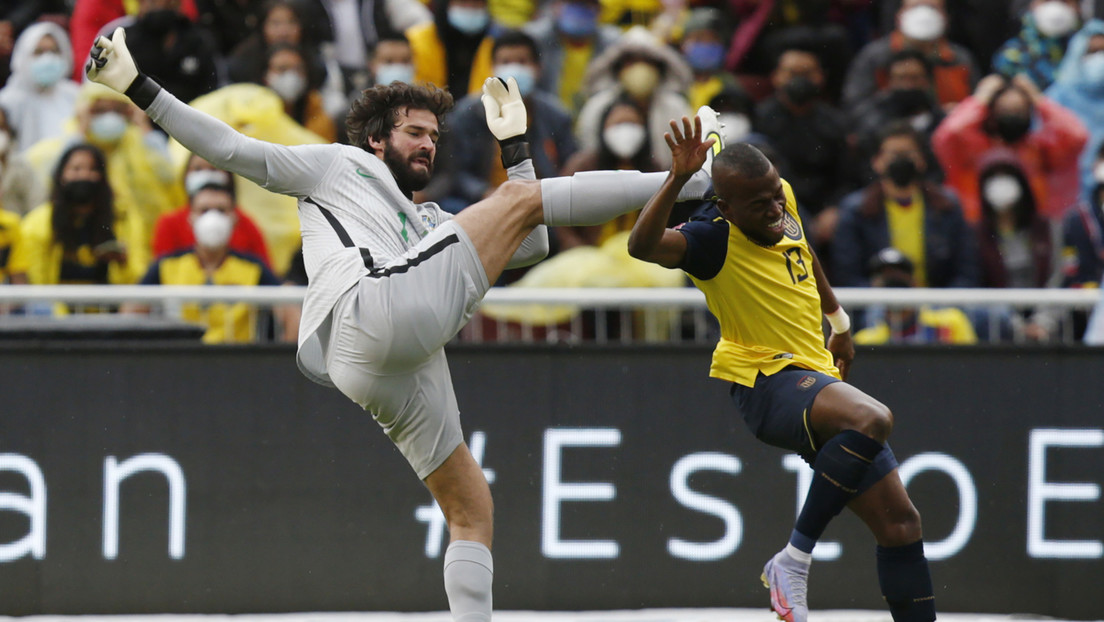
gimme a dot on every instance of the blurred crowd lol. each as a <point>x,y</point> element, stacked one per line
<point>929,143</point>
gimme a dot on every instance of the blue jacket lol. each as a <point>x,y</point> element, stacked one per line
<point>1078,93</point>
<point>950,247</point>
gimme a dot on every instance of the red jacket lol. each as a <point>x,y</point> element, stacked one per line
<point>1049,154</point>
<point>173,233</point>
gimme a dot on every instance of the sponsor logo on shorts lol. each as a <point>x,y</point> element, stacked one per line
<point>792,229</point>
<point>806,382</point>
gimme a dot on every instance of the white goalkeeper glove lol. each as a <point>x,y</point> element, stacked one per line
<point>110,63</point>
<point>505,110</point>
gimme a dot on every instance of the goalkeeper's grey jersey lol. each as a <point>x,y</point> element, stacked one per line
<point>352,214</point>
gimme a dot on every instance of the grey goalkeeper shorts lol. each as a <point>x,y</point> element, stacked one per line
<point>387,334</point>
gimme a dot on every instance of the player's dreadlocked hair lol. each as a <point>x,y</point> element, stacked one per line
<point>743,159</point>
<point>376,112</point>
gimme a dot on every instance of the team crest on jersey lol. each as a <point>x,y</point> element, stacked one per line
<point>429,220</point>
<point>806,382</point>
<point>791,228</point>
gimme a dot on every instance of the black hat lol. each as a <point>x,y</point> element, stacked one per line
<point>888,258</point>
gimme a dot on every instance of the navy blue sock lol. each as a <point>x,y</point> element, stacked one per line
<point>906,582</point>
<point>837,471</point>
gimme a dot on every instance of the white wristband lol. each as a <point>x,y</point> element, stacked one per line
<point>839,321</point>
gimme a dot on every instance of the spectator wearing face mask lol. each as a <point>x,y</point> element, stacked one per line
<point>921,25</point>
<point>641,68</point>
<point>142,179</point>
<point>623,145</point>
<point>454,50</point>
<point>569,37</point>
<point>78,237</point>
<point>1017,247</point>
<point>703,45</point>
<point>811,135</point>
<point>909,96</point>
<point>173,231</point>
<point>1079,87</point>
<point>211,261</point>
<point>920,219</point>
<point>20,189</point>
<point>1083,233</point>
<point>392,61</point>
<point>1037,50</point>
<point>474,166</point>
<point>1046,137</point>
<point>39,96</point>
<point>287,74</point>
<point>906,325</point>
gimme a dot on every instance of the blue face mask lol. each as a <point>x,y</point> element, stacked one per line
<point>578,20</point>
<point>468,20</point>
<point>524,74</point>
<point>705,57</point>
<point>47,69</point>
<point>395,72</point>
<point>107,127</point>
<point>1092,69</point>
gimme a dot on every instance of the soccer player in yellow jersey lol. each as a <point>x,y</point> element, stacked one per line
<point>750,257</point>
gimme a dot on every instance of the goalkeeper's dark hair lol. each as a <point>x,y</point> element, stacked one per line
<point>744,160</point>
<point>376,112</point>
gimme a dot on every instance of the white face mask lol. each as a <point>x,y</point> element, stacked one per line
<point>196,180</point>
<point>1055,19</point>
<point>289,85</point>
<point>212,229</point>
<point>923,23</point>
<point>107,127</point>
<point>1098,173</point>
<point>1002,192</point>
<point>395,72</point>
<point>734,126</point>
<point>624,139</point>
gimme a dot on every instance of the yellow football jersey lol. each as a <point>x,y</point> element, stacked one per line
<point>765,299</point>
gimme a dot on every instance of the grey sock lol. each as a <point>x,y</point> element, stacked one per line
<point>469,570</point>
<point>596,197</point>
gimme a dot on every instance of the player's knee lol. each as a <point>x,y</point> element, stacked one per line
<point>875,420</point>
<point>904,527</point>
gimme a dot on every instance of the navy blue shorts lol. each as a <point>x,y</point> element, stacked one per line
<point>777,410</point>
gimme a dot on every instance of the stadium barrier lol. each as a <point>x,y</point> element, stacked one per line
<point>601,315</point>
<point>143,477</point>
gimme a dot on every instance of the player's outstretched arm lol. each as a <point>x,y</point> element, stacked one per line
<point>111,64</point>
<point>650,239</point>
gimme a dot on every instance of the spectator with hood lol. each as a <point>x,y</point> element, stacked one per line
<point>569,37</point>
<point>1079,87</point>
<point>39,95</point>
<point>1016,245</point>
<point>142,179</point>
<point>1037,50</point>
<point>1046,138</point>
<point>921,25</point>
<point>454,50</point>
<point>641,68</point>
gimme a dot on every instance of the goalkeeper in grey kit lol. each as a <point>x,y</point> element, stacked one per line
<point>392,281</point>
